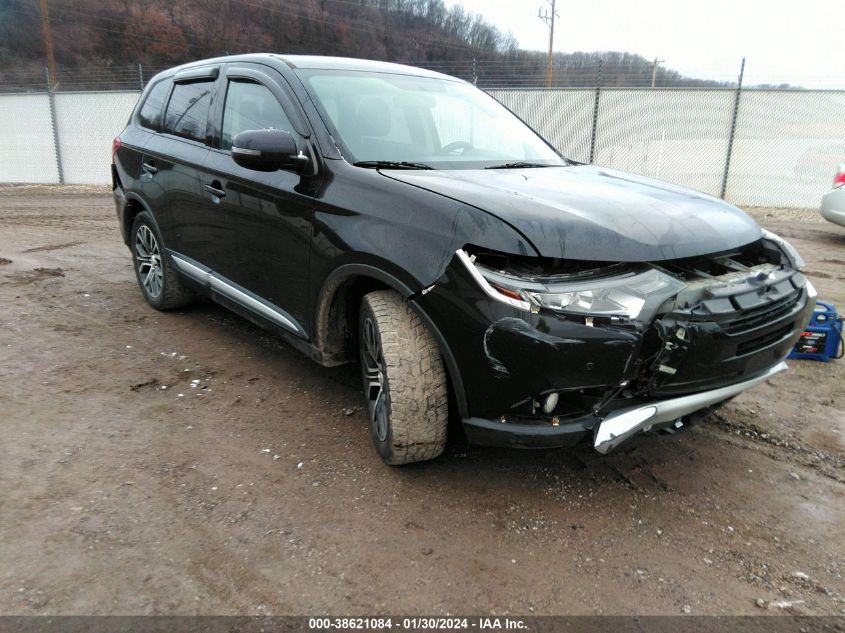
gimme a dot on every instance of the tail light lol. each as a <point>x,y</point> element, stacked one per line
<point>839,178</point>
<point>115,145</point>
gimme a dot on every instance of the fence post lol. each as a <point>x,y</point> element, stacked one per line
<point>474,71</point>
<point>595,113</point>
<point>56,146</point>
<point>141,77</point>
<point>733,130</point>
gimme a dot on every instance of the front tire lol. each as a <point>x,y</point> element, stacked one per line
<point>154,271</point>
<point>404,381</point>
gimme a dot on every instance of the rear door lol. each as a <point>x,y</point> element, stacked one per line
<point>270,212</point>
<point>172,163</point>
<point>135,137</point>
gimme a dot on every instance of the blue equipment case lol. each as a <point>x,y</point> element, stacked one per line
<point>822,337</point>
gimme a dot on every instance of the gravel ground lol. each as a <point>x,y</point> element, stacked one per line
<point>189,463</point>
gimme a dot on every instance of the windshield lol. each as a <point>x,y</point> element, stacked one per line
<point>383,117</point>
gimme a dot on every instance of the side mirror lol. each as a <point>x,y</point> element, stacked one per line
<point>268,150</point>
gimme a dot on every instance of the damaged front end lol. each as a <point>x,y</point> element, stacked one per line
<point>555,351</point>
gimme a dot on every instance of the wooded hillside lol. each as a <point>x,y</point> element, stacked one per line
<point>93,36</point>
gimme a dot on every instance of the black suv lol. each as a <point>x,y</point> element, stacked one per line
<point>403,218</point>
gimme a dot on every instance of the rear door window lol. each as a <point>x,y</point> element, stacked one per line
<point>187,110</point>
<point>251,106</point>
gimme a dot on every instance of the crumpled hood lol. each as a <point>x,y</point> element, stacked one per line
<point>591,213</point>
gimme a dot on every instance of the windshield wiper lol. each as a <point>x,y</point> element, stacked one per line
<point>390,164</point>
<point>518,165</point>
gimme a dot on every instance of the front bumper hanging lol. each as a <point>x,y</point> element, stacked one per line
<point>621,425</point>
<point>611,430</point>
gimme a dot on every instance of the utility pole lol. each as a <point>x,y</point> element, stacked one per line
<point>48,41</point>
<point>654,70</point>
<point>549,18</point>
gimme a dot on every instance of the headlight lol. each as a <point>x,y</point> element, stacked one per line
<point>786,248</point>
<point>626,294</point>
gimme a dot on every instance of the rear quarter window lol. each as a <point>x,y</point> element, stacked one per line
<point>150,114</point>
<point>187,110</point>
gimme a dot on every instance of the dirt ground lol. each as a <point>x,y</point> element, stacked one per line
<point>128,489</point>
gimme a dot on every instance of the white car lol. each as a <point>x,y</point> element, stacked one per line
<point>833,202</point>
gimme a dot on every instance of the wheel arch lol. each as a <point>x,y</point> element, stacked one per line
<point>134,205</point>
<point>336,319</point>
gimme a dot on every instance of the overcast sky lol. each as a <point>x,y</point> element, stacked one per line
<point>794,42</point>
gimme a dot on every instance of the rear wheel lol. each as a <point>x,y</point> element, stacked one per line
<point>404,381</point>
<point>156,277</point>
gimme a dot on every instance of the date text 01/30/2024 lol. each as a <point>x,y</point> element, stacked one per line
<point>415,623</point>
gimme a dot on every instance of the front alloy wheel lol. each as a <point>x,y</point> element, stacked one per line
<point>404,380</point>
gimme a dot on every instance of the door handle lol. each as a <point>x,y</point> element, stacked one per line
<point>215,189</point>
<point>150,167</point>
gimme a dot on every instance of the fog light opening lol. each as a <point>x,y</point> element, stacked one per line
<point>550,403</point>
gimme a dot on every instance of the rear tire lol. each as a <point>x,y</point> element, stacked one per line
<point>158,280</point>
<point>404,381</point>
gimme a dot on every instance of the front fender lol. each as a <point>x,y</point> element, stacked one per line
<point>368,226</point>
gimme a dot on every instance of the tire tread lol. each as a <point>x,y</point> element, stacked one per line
<point>417,391</point>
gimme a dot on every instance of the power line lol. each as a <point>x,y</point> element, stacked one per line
<point>229,42</point>
<point>101,28</point>
<point>464,47</point>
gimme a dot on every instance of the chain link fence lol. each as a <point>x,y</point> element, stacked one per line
<point>786,147</point>
<point>753,146</point>
<point>131,77</point>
